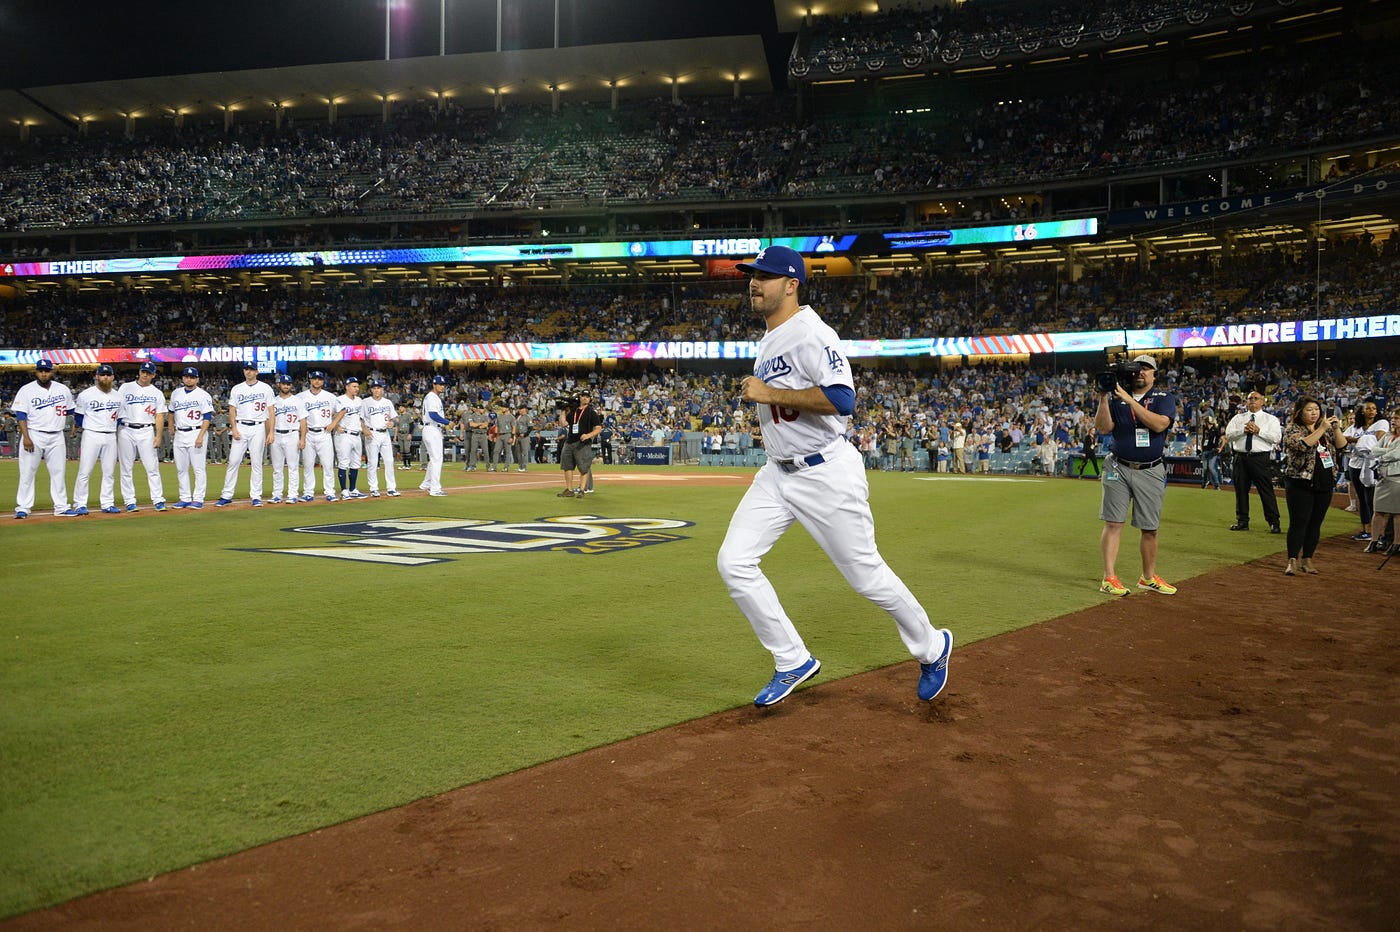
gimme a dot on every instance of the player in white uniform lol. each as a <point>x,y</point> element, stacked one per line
<point>379,416</point>
<point>138,435</point>
<point>286,441</point>
<point>434,422</point>
<point>317,412</point>
<point>347,429</point>
<point>191,414</point>
<point>804,393</point>
<point>41,407</point>
<point>98,411</point>
<point>250,429</point>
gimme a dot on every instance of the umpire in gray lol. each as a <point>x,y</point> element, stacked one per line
<point>1134,473</point>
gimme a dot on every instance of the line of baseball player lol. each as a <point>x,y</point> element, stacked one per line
<point>121,425</point>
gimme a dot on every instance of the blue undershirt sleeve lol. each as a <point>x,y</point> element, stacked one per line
<point>842,397</point>
<point>77,419</point>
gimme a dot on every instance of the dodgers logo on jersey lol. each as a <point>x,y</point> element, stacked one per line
<point>834,359</point>
<point>425,541</point>
<point>772,368</point>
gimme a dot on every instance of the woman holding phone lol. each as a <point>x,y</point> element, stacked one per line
<point>1310,445</point>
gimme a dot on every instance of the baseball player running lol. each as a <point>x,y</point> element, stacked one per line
<point>139,435</point>
<point>804,393</point>
<point>250,429</point>
<point>317,412</point>
<point>98,411</point>
<point>378,416</point>
<point>191,414</point>
<point>286,441</point>
<point>434,421</point>
<point>41,409</point>
<point>346,428</point>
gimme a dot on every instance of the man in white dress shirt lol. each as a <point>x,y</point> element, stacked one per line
<point>1253,434</point>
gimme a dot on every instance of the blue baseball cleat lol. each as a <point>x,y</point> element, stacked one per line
<point>160,506</point>
<point>195,505</point>
<point>785,681</point>
<point>180,505</point>
<point>21,515</point>
<point>257,503</point>
<point>80,512</point>
<point>132,507</point>
<point>308,498</point>
<point>934,676</point>
<point>69,513</point>
<point>222,502</point>
<point>111,510</point>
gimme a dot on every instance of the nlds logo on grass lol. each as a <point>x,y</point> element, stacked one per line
<point>424,541</point>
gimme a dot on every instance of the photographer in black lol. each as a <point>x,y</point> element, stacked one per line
<point>1138,417</point>
<point>580,423</point>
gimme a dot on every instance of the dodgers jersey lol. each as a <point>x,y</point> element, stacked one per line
<point>317,408</point>
<point>44,409</point>
<point>801,353</point>
<point>141,405</point>
<point>353,408</point>
<point>432,404</point>
<point>288,412</point>
<point>250,402</point>
<point>379,414</point>
<point>188,407</point>
<point>100,410</point>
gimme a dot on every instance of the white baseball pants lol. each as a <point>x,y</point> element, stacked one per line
<point>348,450</point>
<point>190,460</point>
<point>830,500</point>
<point>51,447</point>
<point>133,443</point>
<point>432,443</point>
<point>97,447</point>
<point>378,445</point>
<point>286,465</point>
<point>318,447</point>
<point>253,441</point>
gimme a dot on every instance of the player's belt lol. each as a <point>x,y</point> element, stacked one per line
<point>1131,464</point>
<point>137,426</point>
<point>378,431</point>
<point>287,431</point>
<point>316,430</point>
<point>183,429</point>
<point>808,461</point>
<point>99,431</point>
<point>353,433</point>
<point>35,430</point>
<point>250,423</point>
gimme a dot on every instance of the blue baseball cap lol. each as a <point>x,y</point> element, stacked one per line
<point>43,365</point>
<point>249,364</point>
<point>105,369</point>
<point>779,260</point>
<point>190,370</point>
<point>284,377</point>
<point>148,367</point>
<point>439,380</point>
<point>352,378</point>
<point>317,374</point>
<point>376,383</point>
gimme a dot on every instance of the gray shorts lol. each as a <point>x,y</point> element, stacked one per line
<point>576,456</point>
<point>1144,488</point>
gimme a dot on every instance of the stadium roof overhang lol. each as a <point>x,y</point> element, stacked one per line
<point>696,67</point>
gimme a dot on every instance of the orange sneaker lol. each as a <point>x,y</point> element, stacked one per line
<point>1112,586</point>
<point>1156,584</point>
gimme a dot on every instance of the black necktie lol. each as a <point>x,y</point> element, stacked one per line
<point>1249,438</point>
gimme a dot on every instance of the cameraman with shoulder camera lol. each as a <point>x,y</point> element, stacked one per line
<point>1138,417</point>
<point>580,423</point>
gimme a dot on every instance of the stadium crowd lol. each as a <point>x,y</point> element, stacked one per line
<point>444,157</point>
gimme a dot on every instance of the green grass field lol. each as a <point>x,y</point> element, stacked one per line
<point>167,697</point>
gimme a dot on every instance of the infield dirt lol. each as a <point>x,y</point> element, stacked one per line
<point>1228,757</point>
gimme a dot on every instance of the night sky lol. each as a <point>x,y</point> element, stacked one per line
<point>73,41</point>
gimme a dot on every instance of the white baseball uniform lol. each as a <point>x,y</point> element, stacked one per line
<point>379,442</point>
<point>45,412</point>
<point>318,408</point>
<point>286,434</point>
<point>250,404</point>
<point>432,440</point>
<point>191,409</point>
<point>348,445</point>
<point>142,409</point>
<point>101,411</point>
<point>813,476</point>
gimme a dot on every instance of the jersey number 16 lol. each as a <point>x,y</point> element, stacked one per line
<point>783,414</point>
